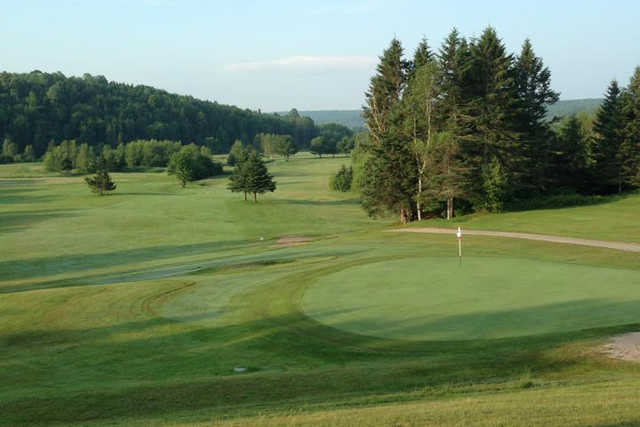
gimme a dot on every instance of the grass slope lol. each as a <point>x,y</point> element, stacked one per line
<point>135,308</point>
<point>615,220</point>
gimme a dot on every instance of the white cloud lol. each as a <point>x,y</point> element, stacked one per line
<point>305,63</point>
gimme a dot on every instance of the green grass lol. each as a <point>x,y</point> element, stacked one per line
<point>482,298</point>
<point>616,220</point>
<point>135,308</point>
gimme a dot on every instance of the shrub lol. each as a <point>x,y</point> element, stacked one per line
<point>342,180</point>
<point>189,164</point>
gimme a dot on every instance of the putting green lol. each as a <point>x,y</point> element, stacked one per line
<point>438,299</point>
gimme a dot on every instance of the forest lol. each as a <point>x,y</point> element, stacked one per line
<point>37,108</point>
<point>468,124</point>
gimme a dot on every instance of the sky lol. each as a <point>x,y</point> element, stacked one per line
<point>312,55</point>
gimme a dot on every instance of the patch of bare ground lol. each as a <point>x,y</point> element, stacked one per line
<point>624,347</point>
<point>292,240</point>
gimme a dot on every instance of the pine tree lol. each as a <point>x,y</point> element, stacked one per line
<point>421,57</point>
<point>258,180</point>
<point>101,183</point>
<point>570,161</point>
<point>455,63</point>
<point>631,132</point>
<point>534,94</point>
<point>385,89</point>
<point>491,116</point>
<point>609,138</point>
<point>389,184</point>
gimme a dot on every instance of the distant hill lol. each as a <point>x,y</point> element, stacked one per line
<point>349,118</point>
<point>573,106</point>
<point>353,118</point>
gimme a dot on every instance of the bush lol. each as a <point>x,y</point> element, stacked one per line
<point>189,164</point>
<point>342,180</point>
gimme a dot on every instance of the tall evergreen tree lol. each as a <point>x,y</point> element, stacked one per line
<point>631,131</point>
<point>607,152</point>
<point>389,185</point>
<point>258,180</point>
<point>385,90</point>
<point>455,63</point>
<point>493,144</point>
<point>422,56</point>
<point>570,160</point>
<point>534,94</point>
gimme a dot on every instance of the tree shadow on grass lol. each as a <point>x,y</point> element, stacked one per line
<point>24,269</point>
<point>305,202</point>
<point>22,220</point>
<point>141,193</point>
<point>15,195</point>
<point>164,271</point>
<point>192,368</point>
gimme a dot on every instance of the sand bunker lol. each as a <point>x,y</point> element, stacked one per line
<point>624,347</point>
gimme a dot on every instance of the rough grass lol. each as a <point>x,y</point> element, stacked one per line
<point>135,308</point>
<point>615,220</point>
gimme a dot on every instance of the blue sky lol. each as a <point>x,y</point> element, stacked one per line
<point>275,55</point>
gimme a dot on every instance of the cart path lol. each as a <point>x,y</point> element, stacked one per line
<point>620,246</point>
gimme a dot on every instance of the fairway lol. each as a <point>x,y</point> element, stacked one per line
<point>433,298</point>
<point>135,308</point>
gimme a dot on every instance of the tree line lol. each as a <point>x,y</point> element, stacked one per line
<point>467,124</point>
<point>37,107</point>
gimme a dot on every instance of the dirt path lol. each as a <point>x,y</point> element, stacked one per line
<point>621,246</point>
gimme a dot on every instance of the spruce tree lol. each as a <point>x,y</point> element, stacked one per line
<point>455,64</point>
<point>534,94</point>
<point>570,161</point>
<point>258,179</point>
<point>607,152</point>
<point>101,183</point>
<point>491,112</point>
<point>631,132</point>
<point>421,57</point>
<point>390,183</point>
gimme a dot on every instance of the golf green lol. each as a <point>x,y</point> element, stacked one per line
<point>441,299</point>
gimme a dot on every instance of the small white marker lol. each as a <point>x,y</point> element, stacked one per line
<point>459,235</point>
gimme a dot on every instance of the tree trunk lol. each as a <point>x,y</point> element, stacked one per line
<point>619,184</point>
<point>418,198</point>
<point>449,208</point>
<point>403,216</point>
<point>255,197</point>
<point>245,196</point>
